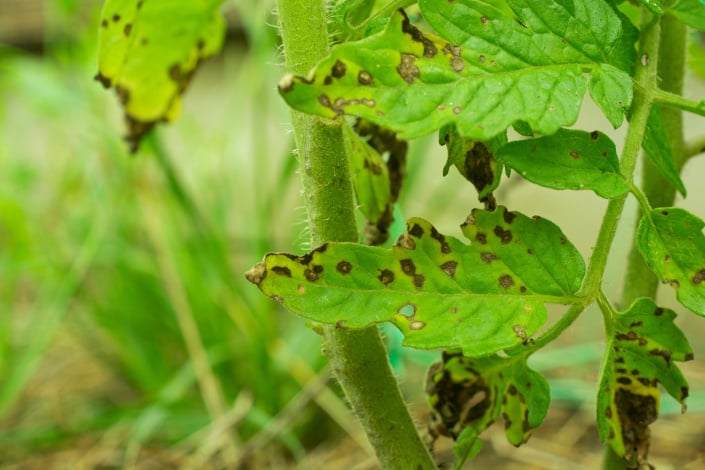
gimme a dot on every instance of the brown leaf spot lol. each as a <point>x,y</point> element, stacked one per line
<point>281,271</point>
<point>484,20</point>
<point>338,70</point>
<point>488,257</point>
<point>116,17</point>
<point>506,281</point>
<point>127,29</point>
<point>624,380</point>
<point>644,381</point>
<point>482,58</point>
<point>619,360</point>
<point>364,78</point>
<point>457,109</point>
<point>665,354</point>
<point>594,135</point>
<point>449,267</point>
<point>418,281</point>
<point>667,259</point>
<point>139,4</point>
<point>481,238</point>
<point>340,324</point>
<point>574,154</point>
<point>386,276</point>
<point>634,372</point>
<point>504,235</point>
<point>631,336</point>
<point>417,325</point>
<point>416,231</point>
<point>328,80</point>
<point>509,216</point>
<point>522,289</point>
<point>699,277</point>
<point>256,274</point>
<point>301,290</point>
<point>563,241</point>
<point>689,356</point>
<point>407,69</point>
<point>310,275</point>
<point>635,324</point>
<point>408,267</point>
<point>520,331</point>
<point>440,238</point>
<point>664,213</point>
<point>529,251</point>
<point>104,23</point>
<point>344,267</point>
<point>674,283</point>
<point>608,412</point>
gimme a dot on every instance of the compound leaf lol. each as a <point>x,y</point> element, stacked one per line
<point>640,356</point>
<point>611,89</point>
<point>487,71</point>
<point>438,291</point>
<point>657,148</point>
<point>148,52</point>
<point>467,395</point>
<point>673,245</point>
<point>568,159</point>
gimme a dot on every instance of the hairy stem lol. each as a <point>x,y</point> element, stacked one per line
<point>358,358</point>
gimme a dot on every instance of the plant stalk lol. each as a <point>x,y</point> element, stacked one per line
<point>639,280</point>
<point>357,357</point>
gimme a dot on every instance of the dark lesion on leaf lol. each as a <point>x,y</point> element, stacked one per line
<point>419,281</point>
<point>408,267</point>
<point>488,257</point>
<point>449,268</point>
<point>456,403</point>
<point>664,353</point>
<point>407,69</point>
<point>635,412</point>
<point>440,238</point>
<point>456,60</point>
<point>481,238</point>
<point>281,271</point>
<point>127,29</point>
<point>506,281</point>
<point>505,236</point>
<point>364,78</point>
<point>416,231</point>
<point>386,276</point>
<point>344,267</point>
<point>429,48</point>
<point>699,277</point>
<point>338,70</point>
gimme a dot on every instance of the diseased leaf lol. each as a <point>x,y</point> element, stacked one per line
<point>438,291</point>
<point>369,175</point>
<point>673,245</point>
<point>486,73</point>
<point>475,161</point>
<point>690,12</point>
<point>467,395</point>
<point>639,357</point>
<point>148,52</point>
<point>611,89</point>
<point>658,150</point>
<point>568,159</point>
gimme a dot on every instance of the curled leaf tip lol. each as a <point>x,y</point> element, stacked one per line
<point>256,273</point>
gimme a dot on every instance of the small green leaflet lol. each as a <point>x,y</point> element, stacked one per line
<point>673,245</point>
<point>657,148</point>
<point>655,6</point>
<point>467,395</point>
<point>690,12</point>
<point>487,72</point>
<point>438,291</point>
<point>639,357</point>
<point>474,160</point>
<point>568,159</point>
<point>148,52</point>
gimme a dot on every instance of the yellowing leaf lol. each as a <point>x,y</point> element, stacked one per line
<point>148,52</point>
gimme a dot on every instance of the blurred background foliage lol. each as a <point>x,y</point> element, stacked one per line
<point>128,335</point>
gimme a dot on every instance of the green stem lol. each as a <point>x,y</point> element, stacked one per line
<point>656,191</point>
<point>358,358</point>
<point>676,101</point>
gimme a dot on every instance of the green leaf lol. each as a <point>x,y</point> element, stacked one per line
<point>148,52</point>
<point>369,175</point>
<point>467,395</point>
<point>438,291</point>
<point>569,159</point>
<point>690,12</point>
<point>611,89</point>
<point>673,245</point>
<point>474,160</point>
<point>659,151</point>
<point>655,6</point>
<point>488,72</point>
<point>640,356</point>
